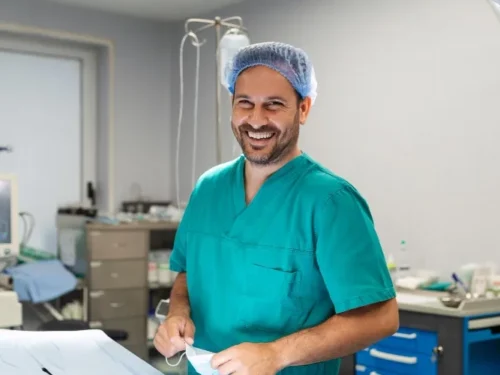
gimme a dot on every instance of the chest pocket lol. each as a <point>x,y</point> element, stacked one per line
<point>274,289</point>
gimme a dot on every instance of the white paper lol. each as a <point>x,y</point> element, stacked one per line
<point>200,359</point>
<point>70,352</point>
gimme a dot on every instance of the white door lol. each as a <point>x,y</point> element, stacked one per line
<point>47,116</point>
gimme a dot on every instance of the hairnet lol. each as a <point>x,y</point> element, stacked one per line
<point>291,62</point>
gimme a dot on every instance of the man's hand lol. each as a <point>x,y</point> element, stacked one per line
<point>247,359</point>
<point>173,334</point>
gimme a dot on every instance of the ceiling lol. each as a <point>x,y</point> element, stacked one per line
<point>166,10</point>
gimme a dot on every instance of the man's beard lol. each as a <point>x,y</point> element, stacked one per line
<point>281,143</point>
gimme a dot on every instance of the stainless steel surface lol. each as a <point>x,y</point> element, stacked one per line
<point>451,301</point>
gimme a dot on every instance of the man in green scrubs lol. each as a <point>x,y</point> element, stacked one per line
<point>280,267</point>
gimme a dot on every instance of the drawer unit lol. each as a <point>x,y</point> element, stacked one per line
<point>409,351</point>
<point>119,303</point>
<point>117,290</point>
<point>111,245</point>
<point>411,340</point>
<point>397,361</point>
<point>118,274</point>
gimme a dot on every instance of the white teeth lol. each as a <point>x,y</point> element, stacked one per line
<point>260,135</point>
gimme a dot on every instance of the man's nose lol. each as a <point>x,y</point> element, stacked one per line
<point>257,117</point>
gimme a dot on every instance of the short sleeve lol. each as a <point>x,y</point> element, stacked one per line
<point>178,256</point>
<point>349,254</point>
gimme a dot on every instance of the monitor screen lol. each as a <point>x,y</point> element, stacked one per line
<point>162,309</point>
<point>5,211</point>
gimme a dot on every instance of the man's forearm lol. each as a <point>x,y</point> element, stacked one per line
<point>179,298</point>
<point>339,336</point>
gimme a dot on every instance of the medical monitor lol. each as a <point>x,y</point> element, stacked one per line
<point>9,233</point>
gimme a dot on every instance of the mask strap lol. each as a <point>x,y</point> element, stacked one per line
<point>178,362</point>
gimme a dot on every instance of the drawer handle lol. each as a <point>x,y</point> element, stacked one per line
<point>115,275</point>
<point>374,373</point>
<point>393,357</point>
<point>116,305</point>
<point>117,245</point>
<point>96,294</point>
<point>406,336</point>
<point>360,368</point>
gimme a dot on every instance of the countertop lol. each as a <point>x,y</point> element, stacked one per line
<point>428,303</point>
<point>136,225</point>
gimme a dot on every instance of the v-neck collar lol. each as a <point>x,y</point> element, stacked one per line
<point>288,170</point>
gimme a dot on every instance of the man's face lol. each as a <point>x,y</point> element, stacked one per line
<point>267,114</point>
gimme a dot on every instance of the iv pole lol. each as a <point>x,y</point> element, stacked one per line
<point>217,23</point>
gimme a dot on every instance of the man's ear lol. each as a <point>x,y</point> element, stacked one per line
<point>304,109</point>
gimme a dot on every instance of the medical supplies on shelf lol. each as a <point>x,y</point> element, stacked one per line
<point>159,272</point>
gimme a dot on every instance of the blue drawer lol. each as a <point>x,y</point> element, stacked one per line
<point>363,370</point>
<point>397,361</point>
<point>411,340</point>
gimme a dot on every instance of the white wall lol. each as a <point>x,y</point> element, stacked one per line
<point>408,111</point>
<point>142,99</point>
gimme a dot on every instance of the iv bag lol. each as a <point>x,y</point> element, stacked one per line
<point>496,6</point>
<point>229,46</point>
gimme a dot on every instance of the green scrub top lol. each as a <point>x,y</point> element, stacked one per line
<point>302,251</point>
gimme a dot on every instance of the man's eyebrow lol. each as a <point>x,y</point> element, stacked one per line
<point>267,99</point>
<point>273,98</point>
<point>241,96</point>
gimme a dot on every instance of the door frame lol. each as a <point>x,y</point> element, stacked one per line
<point>87,49</point>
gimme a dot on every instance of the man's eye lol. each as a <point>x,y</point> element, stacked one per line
<point>275,104</point>
<point>244,103</point>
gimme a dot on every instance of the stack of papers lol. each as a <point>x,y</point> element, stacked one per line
<point>67,353</point>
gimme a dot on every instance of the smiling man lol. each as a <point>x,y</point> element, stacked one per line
<point>280,267</point>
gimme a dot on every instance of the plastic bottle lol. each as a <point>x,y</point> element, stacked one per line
<point>403,262</point>
<point>391,265</point>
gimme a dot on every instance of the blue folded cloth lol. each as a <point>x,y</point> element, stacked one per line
<point>41,281</point>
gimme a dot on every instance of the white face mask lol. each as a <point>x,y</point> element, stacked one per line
<point>200,359</point>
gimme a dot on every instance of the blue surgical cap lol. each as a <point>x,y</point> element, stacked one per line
<point>291,62</point>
